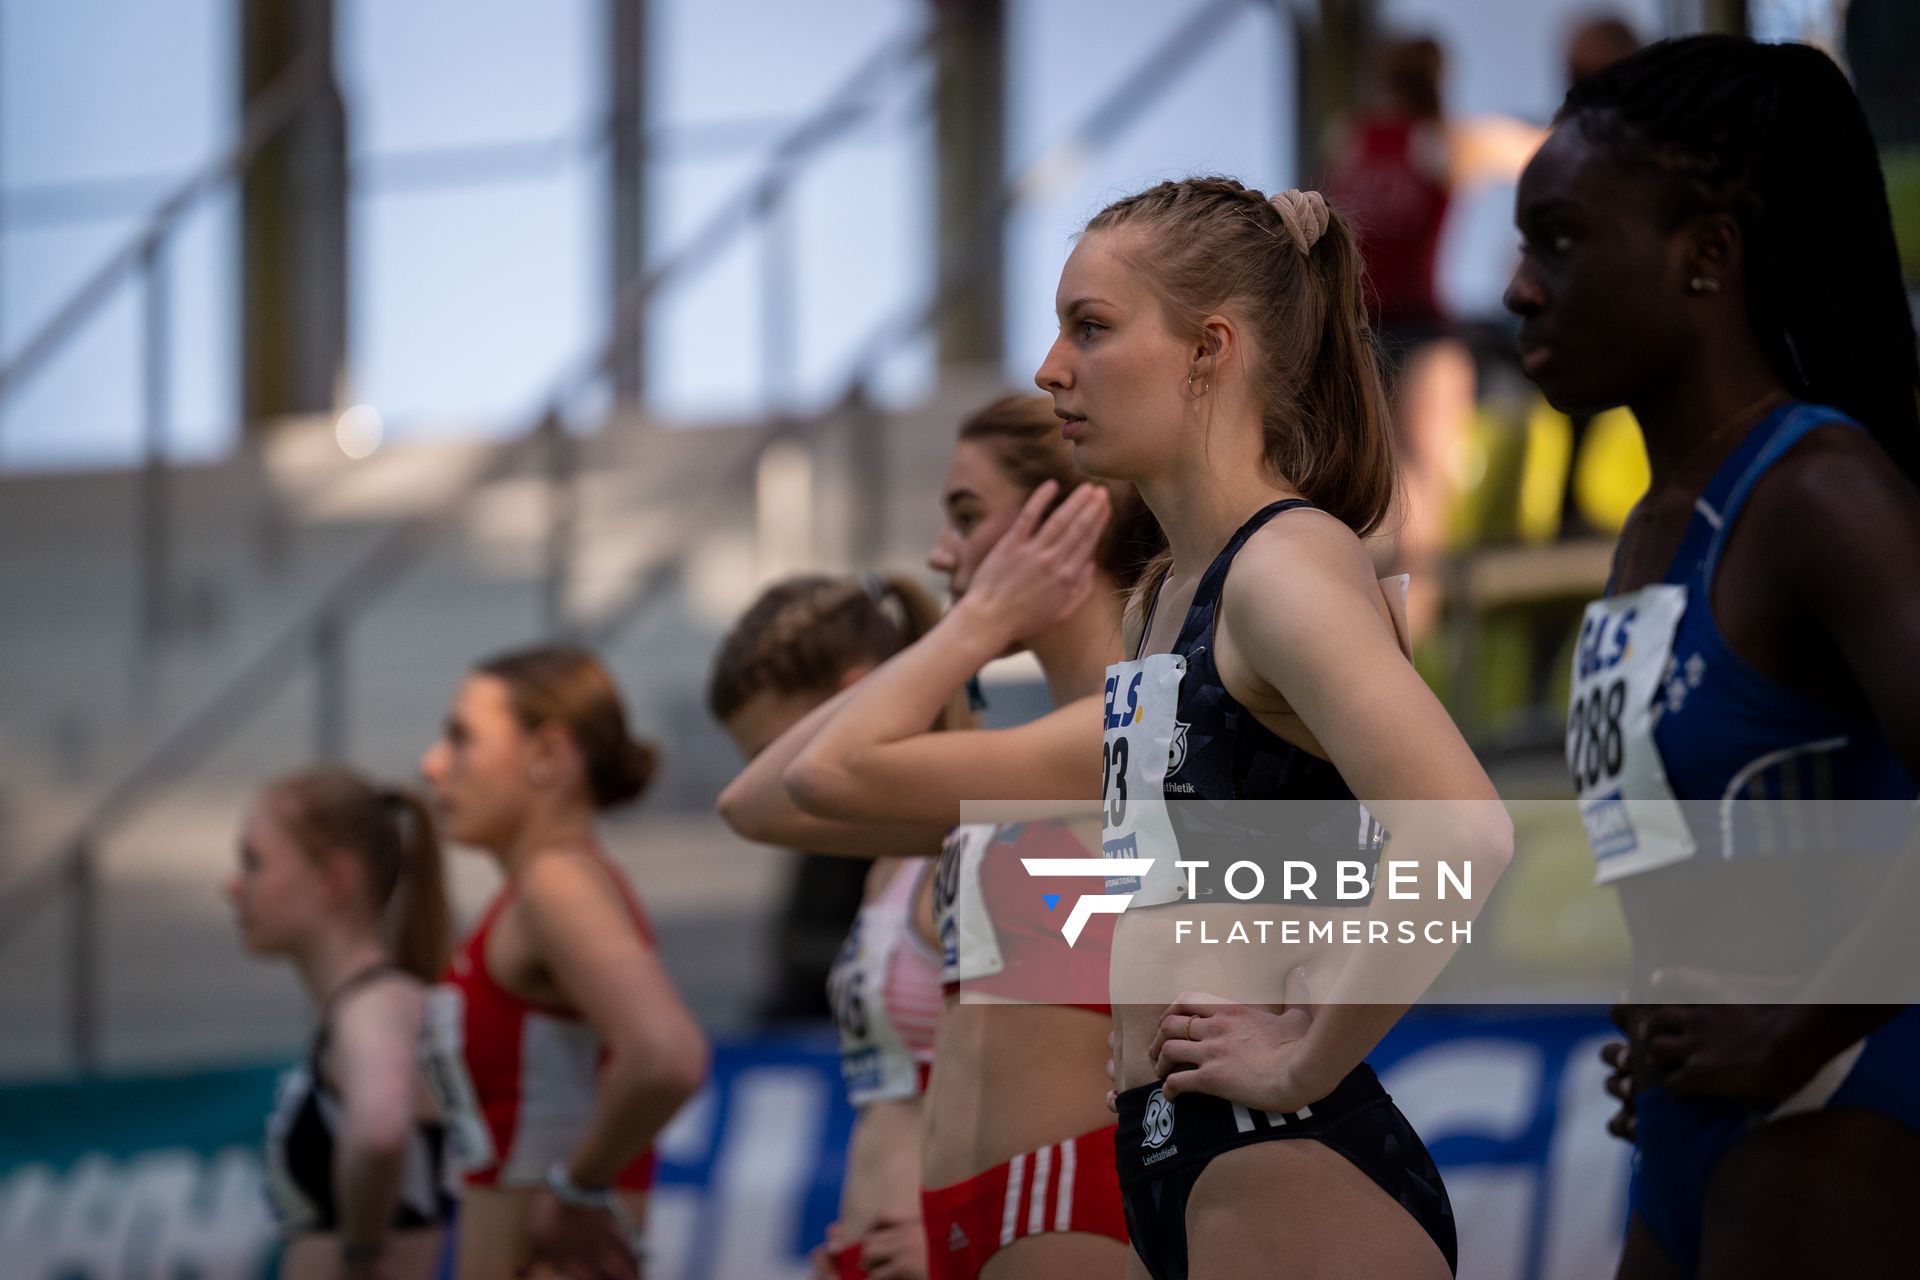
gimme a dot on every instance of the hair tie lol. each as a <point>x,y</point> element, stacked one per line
<point>1304,215</point>
<point>875,586</point>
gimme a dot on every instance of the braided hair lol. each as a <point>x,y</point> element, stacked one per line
<point>1772,135</point>
<point>802,635</point>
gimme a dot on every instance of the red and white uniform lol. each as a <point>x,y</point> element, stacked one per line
<point>999,937</point>
<point>885,986</point>
<point>1067,1186</point>
<point>515,1079</point>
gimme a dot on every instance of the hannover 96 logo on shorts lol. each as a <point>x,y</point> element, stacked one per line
<point>1157,1124</point>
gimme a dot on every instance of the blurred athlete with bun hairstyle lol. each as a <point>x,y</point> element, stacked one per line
<point>559,1047</point>
<point>1017,1154</point>
<point>1706,239</point>
<point>803,641</point>
<point>1214,351</point>
<point>343,879</point>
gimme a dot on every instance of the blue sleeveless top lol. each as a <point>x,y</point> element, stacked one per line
<point>1221,752</point>
<point>1724,730</point>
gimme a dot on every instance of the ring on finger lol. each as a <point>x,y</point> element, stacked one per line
<point>1190,1018</point>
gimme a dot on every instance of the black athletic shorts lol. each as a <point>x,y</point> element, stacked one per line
<point>1162,1147</point>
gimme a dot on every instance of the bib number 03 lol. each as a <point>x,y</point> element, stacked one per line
<point>1141,705</point>
<point>1113,789</point>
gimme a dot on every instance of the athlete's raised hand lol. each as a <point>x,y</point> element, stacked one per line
<point>1042,569</point>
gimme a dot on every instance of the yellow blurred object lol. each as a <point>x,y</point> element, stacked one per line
<point>1488,464</point>
<point>1514,475</point>
<point>1611,474</point>
<point>1543,476</point>
<point>1902,168</point>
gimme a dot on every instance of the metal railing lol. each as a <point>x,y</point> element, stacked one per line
<point>319,635</point>
<point>143,257</point>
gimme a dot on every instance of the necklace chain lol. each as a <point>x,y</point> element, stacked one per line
<point>1746,415</point>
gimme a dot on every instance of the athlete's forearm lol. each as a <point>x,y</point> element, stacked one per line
<point>366,1178</point>
<point>756,804</point>
<point>900,699</point>
<point>1873,964</point>
<point>1413,933</point>
<point>636,1098</point>
<point>1340,1039</point>
<point>758,807</point>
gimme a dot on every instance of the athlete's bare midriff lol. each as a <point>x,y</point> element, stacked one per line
<point>1714,914</point>
<point>883,1167</point>
<point>1008,1079</point>
<point>1151,967</point>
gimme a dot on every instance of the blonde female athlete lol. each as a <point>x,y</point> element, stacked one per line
<point>1213,350</point>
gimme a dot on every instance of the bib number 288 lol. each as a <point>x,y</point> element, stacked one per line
<point>1596,747</point>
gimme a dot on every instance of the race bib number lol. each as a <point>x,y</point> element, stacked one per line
<point>1143,735</point>
<point>443,1062</point>
<point>1633,821</point>
<point>874,1060</point>
<point>969,946</point>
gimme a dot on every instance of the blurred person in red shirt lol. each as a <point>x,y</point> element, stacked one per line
<point>1394,170</point>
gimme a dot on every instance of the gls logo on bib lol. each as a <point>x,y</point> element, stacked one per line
<point>1130,714</point>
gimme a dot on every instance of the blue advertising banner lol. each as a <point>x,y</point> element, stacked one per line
<point>157,1177</point>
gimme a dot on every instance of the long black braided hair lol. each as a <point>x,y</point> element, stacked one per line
<point>1773,135</point>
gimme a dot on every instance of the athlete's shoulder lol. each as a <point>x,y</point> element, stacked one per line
<point>1833,524</point>
<point>1296,557</point>
<point>1836,480</point>
<point>561,875</point>
<point>1301,604</point>
<point>1839,448</point>
<point>386,1005</point>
